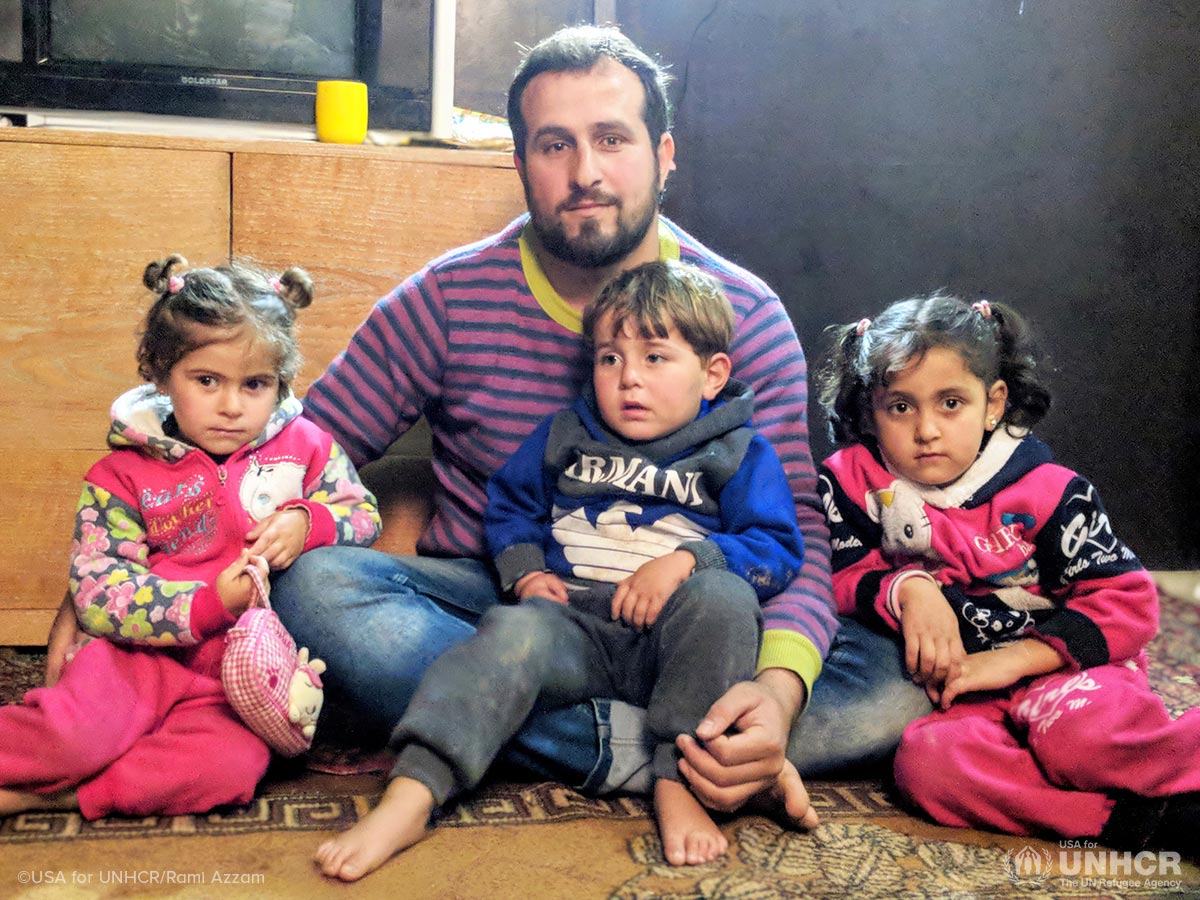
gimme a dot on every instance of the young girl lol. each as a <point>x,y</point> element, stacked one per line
<point>212,472</point>
<point>1020,611</point>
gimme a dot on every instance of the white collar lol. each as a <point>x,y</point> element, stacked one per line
<point>1000,447</point>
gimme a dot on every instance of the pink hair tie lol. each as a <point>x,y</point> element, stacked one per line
<point>175,284</point>
<point>277,285</point>
<point>983,308</point>
<point>861,328</point>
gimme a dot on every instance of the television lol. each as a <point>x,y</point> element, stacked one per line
<point>250,60</point>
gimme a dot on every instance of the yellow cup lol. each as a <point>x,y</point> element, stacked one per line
<point>341,112</point>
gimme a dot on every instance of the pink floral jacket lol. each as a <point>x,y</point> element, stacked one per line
<point>159,519</point>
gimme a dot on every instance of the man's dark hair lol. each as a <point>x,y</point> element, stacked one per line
<point>578,49</point>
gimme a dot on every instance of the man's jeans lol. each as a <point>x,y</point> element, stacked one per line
<point>379,620</point>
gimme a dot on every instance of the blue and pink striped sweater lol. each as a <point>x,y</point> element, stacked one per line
<point>480,344</point>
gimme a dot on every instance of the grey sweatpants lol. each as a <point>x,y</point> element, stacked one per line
<point>477,694</point>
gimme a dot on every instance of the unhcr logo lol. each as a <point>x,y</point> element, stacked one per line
<point>1028,866</point>
<point>1082,864</point>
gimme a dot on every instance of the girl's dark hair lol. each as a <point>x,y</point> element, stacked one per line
<point>994,341</point>
<point>225,297</point>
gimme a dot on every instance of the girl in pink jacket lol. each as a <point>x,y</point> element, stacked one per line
<point>212,472</point>
<point>1019,609</point>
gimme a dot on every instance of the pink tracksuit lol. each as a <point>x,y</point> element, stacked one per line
<point>1048,758</point>
<point>1021,548</point>
<point>133,732</point>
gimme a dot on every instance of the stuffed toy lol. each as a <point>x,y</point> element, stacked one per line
<point>275,688</point>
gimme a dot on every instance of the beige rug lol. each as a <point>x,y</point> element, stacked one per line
<point>546,841</point>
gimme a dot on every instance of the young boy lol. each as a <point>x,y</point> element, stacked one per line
<point>638,532</point>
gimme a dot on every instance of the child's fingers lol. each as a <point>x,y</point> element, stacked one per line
<point>926,659</point>
<point>555,589</point>
<point>235,568</point>
<point>628,608</point>
<point>941,665</point>
<point>953,688</point>
<point>258,543</point>
<point>618,601</point>
<point>641,612</point>
<point>912,656</point>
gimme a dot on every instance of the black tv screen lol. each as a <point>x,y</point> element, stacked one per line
<point>300,37</point>
<point>255,60</point>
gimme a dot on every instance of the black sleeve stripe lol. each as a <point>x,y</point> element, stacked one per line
<point>1084,639</point>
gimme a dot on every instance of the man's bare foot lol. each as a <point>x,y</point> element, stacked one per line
<point>399,821</point>
<point>689,835</point>
<point>13,802</point>
<point>788,799</point>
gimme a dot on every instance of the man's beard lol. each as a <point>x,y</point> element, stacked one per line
<point>591,248</point>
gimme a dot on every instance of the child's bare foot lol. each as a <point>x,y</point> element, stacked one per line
<point>689,835</point>
<point>399,821</point>
<point>13,802</point>
<point>788,799</point>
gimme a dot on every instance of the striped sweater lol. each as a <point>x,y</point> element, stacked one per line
<point>481,345</point>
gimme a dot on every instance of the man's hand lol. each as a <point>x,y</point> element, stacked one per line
<point>65,633</point>
<point>933,648</point>
<point>641,597</point>
<point>541,584</point>
<point>994,670</point>
<point>280,537</point>
<point>789,798</point>
<point>742,746</point>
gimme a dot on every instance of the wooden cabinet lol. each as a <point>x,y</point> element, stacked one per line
<point>81,216</point>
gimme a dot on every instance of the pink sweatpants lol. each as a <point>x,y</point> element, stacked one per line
<point>1048,758</point>
<point>133,732</point>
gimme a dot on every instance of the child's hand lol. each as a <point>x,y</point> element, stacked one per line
<point>541,584</point>
<point>279,538</point>
<point>235,588</point>
<point>640,597</point>
<point>994,670</point>
<point>65,638</point>
<point>933,648</point>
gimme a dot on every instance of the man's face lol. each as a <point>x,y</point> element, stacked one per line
<point>591,176</point>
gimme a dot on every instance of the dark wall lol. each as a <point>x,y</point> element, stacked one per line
<point>488,41</point>
<point>1042,153</point>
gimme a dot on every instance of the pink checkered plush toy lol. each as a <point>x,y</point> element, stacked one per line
<point>276,689</point>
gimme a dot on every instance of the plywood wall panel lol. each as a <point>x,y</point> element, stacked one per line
<point>78,225</point>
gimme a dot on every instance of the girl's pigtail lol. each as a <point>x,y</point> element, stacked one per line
<point>842,392</point>
<point>294,288</point>
<point>1021,369</point>
<point>157,276</point>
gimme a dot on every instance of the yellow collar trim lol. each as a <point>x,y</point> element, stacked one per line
<point>547,297</point>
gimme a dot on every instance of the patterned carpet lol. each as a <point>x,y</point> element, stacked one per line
<point>866,847</point>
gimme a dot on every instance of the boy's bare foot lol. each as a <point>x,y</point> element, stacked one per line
<point>13,802</point>
<point>788,799</point>
<point>399,821</point>
<point>689,835</point>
